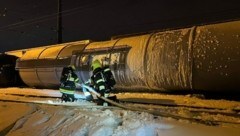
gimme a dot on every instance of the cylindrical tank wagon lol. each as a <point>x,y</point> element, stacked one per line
<point>41,67</point>
<point>8,75</point>
<point>197,58</point>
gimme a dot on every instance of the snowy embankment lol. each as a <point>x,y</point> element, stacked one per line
<point>29,119</point>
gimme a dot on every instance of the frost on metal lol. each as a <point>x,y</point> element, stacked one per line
<point>197,58</point>
<point>167,64</point>
<point>216,52</point>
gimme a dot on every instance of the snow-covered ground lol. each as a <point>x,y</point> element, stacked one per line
<point>29,119</point>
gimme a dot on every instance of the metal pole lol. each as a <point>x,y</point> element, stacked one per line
<point>59,22</point>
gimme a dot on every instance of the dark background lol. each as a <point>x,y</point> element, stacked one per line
<point>32,23</point>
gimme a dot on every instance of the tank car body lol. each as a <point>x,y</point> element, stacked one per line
<point>41,67</point>
<point>8,75</point>
<point>203,58</point>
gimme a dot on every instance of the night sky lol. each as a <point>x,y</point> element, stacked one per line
<point>32,23</point>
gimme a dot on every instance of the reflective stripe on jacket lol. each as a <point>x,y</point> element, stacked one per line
<point>98,80</point>
<point>66,91</point>
<point>68,82</point>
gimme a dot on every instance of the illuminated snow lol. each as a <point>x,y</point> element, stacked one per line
<point>41,120</point>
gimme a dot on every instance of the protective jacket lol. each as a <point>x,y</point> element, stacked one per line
<point>103,80</point>
<point>68,81</point>
<point>110,81</point>
<point>98,81</point>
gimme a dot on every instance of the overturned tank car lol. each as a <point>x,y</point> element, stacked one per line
<point>203,58</point>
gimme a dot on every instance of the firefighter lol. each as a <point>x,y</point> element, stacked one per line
<point>68,81</point>
<point>110,81</point>
<point>101,79</point>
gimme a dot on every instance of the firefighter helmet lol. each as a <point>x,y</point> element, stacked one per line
<point>72,67</point>
<point>95,64</point>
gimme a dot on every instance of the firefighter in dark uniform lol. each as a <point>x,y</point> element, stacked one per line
<point>109,78</point>
<point>102,79</point>
<point>68,81</point>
